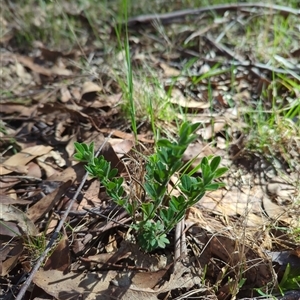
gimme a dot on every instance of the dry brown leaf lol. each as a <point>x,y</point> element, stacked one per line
<point>44,205</point>
<point>121,146</point>
<point>49,169</point>
<point>73,173</point>
<point>7,183</point>
<point>9,229</point>
<point>98,286</point>
<point>111,156</point>
<point>61,70</point>
<point>10,213</point>
<point>90,87</point>
<point>143,280</point>
<point>91,196</point>
<point>235,203</point>
<point>127,136</point>
<point>169,71</point>
<point>178,98</point>
<point>90,90</point>
<point>275,211</point>
<point>112,245</point>
<point>21,159</point>
<point>65,94</point>
<point>64,286</point>
<point>60,258</point>
<point>9,255</point>
<point>211,130</point>
<point>34,170</point>
<point>28,62</point>
<point>4,199</point>
<point>25,77</point>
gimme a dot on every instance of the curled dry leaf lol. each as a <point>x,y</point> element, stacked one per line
<point>10,213</point>
<point>18,161</point>
<point>275,211</point>
<point>178,98</point>
<point>121,146</point>
<point>65,94</point>
<point>90,90</point>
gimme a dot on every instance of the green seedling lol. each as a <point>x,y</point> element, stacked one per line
<point>160,211</point>
<point>290,279</point>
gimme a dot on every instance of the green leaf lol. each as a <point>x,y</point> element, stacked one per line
<point>215,163</point>
<point>175,204</point>
<point>195,126</point>
<point>205,169</point>
<point>219,172</point>
<point>91,147</point>
<point>164,143</point>
<point>111,186</point>
<point>151,189</point>
<point>162,241</point>
<point>204,161</point>
<point>78,157</point>
<point>148,210</point>
<point>184,129</point>
<point>186,182</point>
<point>167,215</point>
<point>175,167</point>
<point>162,156</point>
<point>212,186</point>
<point>112,173</point>
<point>120,191</point>
<point>79,147</point>
<point>129,208</point>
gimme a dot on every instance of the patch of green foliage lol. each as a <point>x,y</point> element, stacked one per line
<point>160,211</point>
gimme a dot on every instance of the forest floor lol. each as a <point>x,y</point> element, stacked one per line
<point>89,72</point>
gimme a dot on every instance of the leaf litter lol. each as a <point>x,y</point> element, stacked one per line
<point>49,104</point>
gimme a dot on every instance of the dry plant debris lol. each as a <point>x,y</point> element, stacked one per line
<point>201,65</point>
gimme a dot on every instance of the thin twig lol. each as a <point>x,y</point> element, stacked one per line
<point>25,177</point>
<point>124,214</point>
<point>225,50</point>
<point>180,250</point>
<point>167,17</point>
<point>56,232</point>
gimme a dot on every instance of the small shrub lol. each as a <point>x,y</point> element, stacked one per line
<point>155,217</point>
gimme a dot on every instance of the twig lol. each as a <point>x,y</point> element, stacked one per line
<point>25,177</point>
<point>122,215</point>
<point>165,18</point>
<point>109,264</point>
<point>180,242</point>
<point>225,50</point>
<point>233,62</point>
<point>56,232</point>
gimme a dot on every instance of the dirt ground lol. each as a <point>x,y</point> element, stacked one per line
<point>230,67</point>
